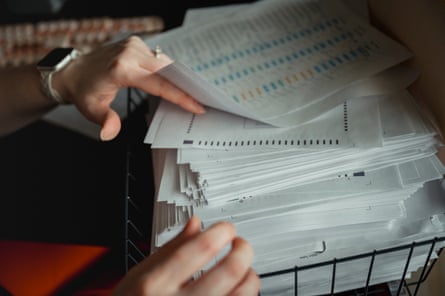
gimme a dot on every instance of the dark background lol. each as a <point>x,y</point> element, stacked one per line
<point>60,186</point>
<point>172,11</point>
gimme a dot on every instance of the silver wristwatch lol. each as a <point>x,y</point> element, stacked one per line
<point>53,62</point>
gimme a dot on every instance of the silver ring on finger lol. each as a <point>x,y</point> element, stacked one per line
<point>157,51</point>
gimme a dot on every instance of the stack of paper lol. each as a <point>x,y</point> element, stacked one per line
<point>329,158</point>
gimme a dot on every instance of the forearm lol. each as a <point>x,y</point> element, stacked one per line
<point>420,25</point>
<point>21,98</point>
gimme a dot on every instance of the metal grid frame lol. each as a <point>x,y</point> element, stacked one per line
<point>134,237</point>
<point>366,290</point>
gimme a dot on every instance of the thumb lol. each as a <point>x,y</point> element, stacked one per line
<point>192,227</point>
<point>110,126</point>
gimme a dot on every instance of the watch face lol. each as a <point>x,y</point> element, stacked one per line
<point>54,58</point>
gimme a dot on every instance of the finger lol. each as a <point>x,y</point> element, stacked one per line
<point>191,229</point>
<point>160,86</point>
<point>227,274</point>
<point>250,285</point>
<point>141,76</point>
<point>162,57</point>
<point>98,110</point>
<point>111,126</point>
<point>149,61</point>
<point>135,75</point>
<point>195,252</point>
<point>137,50</point>
<point>151,51</point>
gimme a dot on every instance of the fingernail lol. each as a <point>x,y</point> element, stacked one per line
<point>199,108</point>
<point>104,136</point>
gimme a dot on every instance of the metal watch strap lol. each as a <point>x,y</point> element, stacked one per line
<point>48,90</point>
<point>46,82</point>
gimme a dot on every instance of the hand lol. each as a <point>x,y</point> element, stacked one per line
<point>92,81</point>
<point>170,269</point>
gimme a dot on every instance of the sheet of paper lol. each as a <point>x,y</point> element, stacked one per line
<point>207,14</point>
<point>239,185</point>
<point>220,130</point>
<point>306,245</point>
<point>356,123</point>
<point>299,205</point>
<point>237,177</point>
<point>380,185</point>
<point>202,15</point>
<point>302,197</point>
<point>293,53</point>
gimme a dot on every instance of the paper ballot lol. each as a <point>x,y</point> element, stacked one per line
<point>311,145</point>
<point>279,62</point>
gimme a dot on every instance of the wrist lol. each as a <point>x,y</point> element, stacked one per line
<point>61,84</point>
<point>52,68</point>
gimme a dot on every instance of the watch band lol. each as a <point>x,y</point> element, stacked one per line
<point>47,75</point>
<point>48,90</point>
